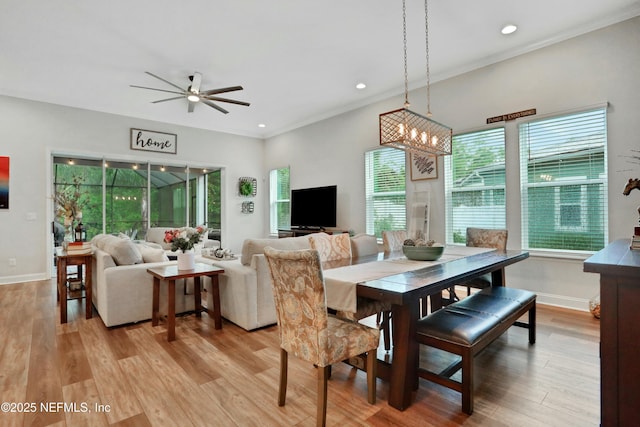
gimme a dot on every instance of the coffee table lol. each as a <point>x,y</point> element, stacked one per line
<point>171,273</point>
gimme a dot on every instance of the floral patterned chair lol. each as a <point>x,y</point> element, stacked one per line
<point>485,238</point>
<point>306,329</point>
<point>392,240</point>
<point>336,248</point>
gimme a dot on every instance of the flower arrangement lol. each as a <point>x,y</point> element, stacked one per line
<point>70,200</point>
<point>184,238</point>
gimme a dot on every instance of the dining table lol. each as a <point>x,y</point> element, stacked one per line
<point>403,283</point>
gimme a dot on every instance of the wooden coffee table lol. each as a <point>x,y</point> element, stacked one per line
<point>171,274</point>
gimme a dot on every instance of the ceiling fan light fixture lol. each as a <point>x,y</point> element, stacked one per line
<point>193,97</point>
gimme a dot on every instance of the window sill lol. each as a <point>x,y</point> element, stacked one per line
<point>577,255</point>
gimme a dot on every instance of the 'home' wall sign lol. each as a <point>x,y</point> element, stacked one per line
<point>147,140</point>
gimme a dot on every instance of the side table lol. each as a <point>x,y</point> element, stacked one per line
<point>81,260</point>
<point>171,274</point>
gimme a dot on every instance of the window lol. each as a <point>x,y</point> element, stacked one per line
<point>475,183</point>
<point>564,182</point>
<point>136,195</point>
<point>279,193</point>
<point>385,190</point>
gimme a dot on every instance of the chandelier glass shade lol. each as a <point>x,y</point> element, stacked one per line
<point>410,131</point>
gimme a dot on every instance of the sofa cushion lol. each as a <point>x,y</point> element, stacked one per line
<point>151,252</point>
<point>123,251</point>
<point>156,235</point>
<point>252,247</point>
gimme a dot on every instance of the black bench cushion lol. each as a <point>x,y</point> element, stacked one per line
<point>456,326</point>
<point>466,321</point>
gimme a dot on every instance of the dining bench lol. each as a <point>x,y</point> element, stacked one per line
<point>468,326</point>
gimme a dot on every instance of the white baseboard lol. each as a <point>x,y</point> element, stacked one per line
<point>563,301</point>
<point>8,280</point>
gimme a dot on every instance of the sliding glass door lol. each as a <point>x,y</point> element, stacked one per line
<point>124,197</point>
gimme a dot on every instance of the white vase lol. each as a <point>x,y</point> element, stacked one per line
<point>186,260</point>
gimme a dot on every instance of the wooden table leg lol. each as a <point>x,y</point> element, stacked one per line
<point>171,311</point>
<point>88,284</point>
<point>497,277</point>
<point>155,307</point>
<point>215,294</point>
<point>197,296</point>
<point>405,355</point>
<point>62,289</point>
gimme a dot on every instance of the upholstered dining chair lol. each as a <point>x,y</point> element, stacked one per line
<point>336,247</point>
<point>306,329</point>
<point>485,238</point>
<point>392,240</point>
<point>331,247</point>
<point>363,244</point>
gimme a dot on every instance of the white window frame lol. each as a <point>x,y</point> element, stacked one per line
<point>370,197</point>
<point>525,185</point>
<point>274,201</point>
<point>488,192</point>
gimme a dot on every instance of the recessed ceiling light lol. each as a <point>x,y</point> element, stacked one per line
<point>361,86</point>
<point>508,29</point>
<point>262,125</point>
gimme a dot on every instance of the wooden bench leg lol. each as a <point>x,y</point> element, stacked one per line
<point>532,324</point>
<point>467,381</point>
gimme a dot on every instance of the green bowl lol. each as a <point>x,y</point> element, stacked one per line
<point>423,253</point>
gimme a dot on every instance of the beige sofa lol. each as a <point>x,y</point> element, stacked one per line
<point>246,297</point>
<point>122,288</point>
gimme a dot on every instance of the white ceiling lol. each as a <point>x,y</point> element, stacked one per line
<point>298,61</point>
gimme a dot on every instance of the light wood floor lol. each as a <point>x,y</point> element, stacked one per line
<point>229,377</point>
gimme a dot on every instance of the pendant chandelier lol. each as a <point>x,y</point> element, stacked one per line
<point>410,131</point>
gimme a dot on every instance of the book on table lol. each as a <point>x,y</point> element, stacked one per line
<point>79,248</point>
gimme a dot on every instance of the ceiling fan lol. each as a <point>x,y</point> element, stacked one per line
<point>194,95</point>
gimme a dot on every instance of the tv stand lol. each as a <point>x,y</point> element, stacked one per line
<point>297,232</point>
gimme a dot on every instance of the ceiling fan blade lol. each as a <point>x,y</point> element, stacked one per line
<point>196,80</point>
<point>212,105</point>
<point>192,105</point>
<point>166,81</point>
<point>232,101</point>
<point>168,99</point>
<point>221,90</point>
<point>159,90</point>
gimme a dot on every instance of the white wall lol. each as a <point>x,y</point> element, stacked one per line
<point>32,131</point>
<point>602,66</point>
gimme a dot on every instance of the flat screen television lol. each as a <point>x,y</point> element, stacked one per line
<point>314,207</point>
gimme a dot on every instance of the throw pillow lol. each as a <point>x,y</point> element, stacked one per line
<point>151,254</point>
<point>123,251</point>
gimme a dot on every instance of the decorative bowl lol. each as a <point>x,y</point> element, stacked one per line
<point>423,253</point>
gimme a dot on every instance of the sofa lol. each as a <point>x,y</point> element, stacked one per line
<point>122,287</point>
<point>246,298</point>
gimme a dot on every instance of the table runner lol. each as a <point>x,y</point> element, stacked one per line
<point>341,282</point>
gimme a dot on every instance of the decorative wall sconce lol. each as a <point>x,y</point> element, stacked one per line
<point>247,207</point>
<point>247,186</point>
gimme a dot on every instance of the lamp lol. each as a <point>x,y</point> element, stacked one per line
<point>410,131</point>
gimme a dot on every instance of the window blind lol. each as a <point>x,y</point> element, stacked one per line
<point>475,183</point>
<point>564,182</point>
<point>385,183</point>
<point>279,200</point>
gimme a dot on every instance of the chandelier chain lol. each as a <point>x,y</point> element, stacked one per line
<point>426,32</point>
<point>404,44</point>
